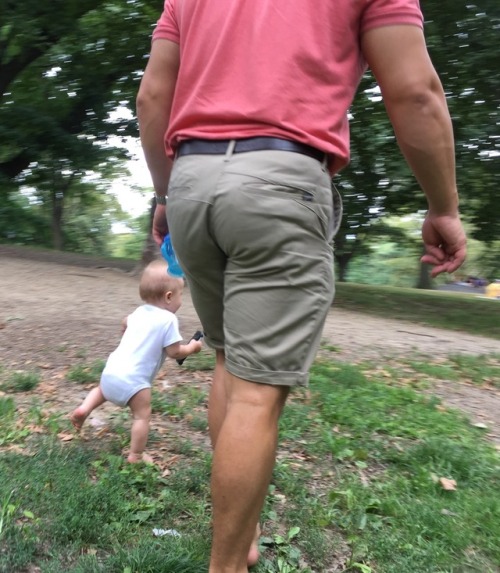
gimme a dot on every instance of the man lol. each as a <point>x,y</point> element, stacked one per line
<point>251,100</point>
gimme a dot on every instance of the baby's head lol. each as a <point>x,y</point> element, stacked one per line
<point>158,288</point>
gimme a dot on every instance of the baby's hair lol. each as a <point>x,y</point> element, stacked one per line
<point>155,282</point>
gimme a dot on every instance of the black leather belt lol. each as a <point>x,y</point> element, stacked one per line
<point>213,147</point>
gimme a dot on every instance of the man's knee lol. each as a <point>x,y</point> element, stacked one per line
<point>265,398</point>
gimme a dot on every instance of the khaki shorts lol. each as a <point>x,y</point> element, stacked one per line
<point>253,234</point>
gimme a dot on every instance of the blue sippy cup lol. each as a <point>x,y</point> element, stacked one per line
<point>167,250</point>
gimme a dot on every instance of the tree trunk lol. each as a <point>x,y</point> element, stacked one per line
<point>150,250</point>
<point>424,277</point>
<point>342,262</point>
<point>57,215</point>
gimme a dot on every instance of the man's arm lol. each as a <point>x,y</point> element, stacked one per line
<point>154,103</point>
<point>416,105</point>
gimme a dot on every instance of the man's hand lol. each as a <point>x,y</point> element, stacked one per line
<point>444,241</point>
<point>160,225</point>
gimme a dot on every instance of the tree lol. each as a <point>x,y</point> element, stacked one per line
<point>65,80</point>
<point>460,37</point>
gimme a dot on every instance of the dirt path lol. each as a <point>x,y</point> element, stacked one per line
<point>54,315</point>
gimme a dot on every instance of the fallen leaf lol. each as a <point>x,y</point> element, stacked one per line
<point>172,460</point>
<point>448,484</point>
<point>35,429</point>
<point>65,437</point>
<point>101,432</point>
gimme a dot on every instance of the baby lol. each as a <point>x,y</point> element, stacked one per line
<point>150,333</point>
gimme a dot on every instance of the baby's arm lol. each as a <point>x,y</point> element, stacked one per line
<point>179,351</point>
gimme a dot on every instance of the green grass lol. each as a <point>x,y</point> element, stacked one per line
<point>436,371</point>
<point>436,308</point>
<point>356,483</point>
<point>180,402</point>
<point>204,360</point>
<point>86,373</point>
<point>479,369</point>
<point>10,430</point>
<point>19,381</point>
<point>482,370</point>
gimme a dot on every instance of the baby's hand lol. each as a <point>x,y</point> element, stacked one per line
<point>197,345</point>
<point>194,345</point>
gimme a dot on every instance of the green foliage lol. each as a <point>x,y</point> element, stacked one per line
<point>378,182</point>
<point>129,245</point>
<point>357,479</point>
<point>86,373</point>
<point>20,381</point>
<point>178,402</point>
<point>86,503</point>
<point>10,431</point>
<point>479,369</point>
<point>393,253</point>
<point>204,360</point>
<point>288,557</point>
<point>62,91</point>
<point>437,308</point>
<point>435,371</point>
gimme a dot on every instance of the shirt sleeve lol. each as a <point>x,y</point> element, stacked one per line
<point>167,27</point>
<point>171,333</point>
<point>379,13</point>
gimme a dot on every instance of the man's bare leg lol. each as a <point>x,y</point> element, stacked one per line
<point>216,413</point>
<point>217,400</point>
<point>243,462</point>
<point>94,399</point>
<point>140,406</point>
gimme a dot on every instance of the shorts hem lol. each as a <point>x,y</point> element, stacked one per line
<point>271,377</point>
<point>210,343</point>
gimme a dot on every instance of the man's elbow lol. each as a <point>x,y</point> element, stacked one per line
<point>143,99</point>
<point>420,95</point>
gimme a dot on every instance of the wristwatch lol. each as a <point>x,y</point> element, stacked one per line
<point>160,199</point>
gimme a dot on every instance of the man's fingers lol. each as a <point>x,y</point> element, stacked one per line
<point>436,252</point>
<point>438,270</point>
<point>158,239</point>
<point>457,260</point>
<point>430,260</point>
<point>449,266</point>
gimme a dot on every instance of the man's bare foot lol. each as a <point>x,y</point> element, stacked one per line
<point>136,458</point>
<point>77,417</point>
<point>253,554</point>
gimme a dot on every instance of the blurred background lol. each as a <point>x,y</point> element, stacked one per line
<point>72,175</point>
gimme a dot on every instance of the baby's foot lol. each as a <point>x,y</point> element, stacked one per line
<point>77,417</point>
<point>253,554</point>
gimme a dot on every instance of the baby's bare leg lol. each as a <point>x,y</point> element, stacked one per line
<point>140,406</point>
<point>94,399</point>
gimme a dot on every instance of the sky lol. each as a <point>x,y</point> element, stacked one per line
<point>135,191</point>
